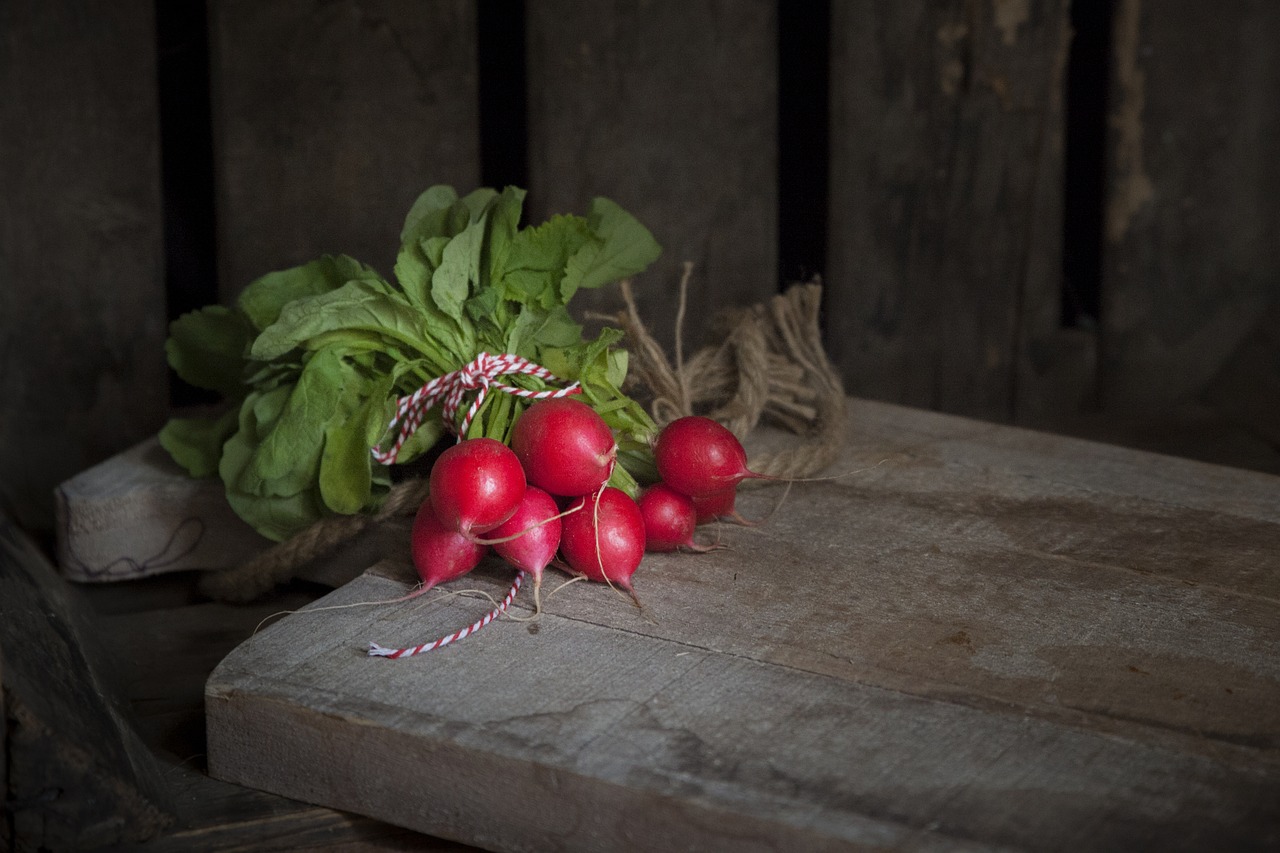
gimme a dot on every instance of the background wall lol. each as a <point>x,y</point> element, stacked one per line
<point>1025,212</point>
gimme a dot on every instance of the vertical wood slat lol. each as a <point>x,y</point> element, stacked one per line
<point>670,110</point>
<point>1192,249</point>
<point>945,206</point>
<point>330,119</point>
<point>82,316</point>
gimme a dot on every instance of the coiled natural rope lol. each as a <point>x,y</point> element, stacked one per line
<point>771,365</point>
<point>280,563</point>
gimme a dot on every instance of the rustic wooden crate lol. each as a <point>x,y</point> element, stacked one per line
<point>945,211</point>
<point>943,259</point>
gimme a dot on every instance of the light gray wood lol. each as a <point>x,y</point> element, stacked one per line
<point>82,322</point>
<point>976,636</point>
<point>945,211</point>
<point>1191,254</point>
<point>330,119</point>
<point>139,514</point>
<point>669,109</point>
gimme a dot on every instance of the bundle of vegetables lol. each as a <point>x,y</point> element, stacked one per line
<point>315,359</point>
<point>545,498</point>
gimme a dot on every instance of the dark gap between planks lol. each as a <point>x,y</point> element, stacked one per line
<point>186,168</point>
<point>1085,155</point>
<point>504,124</point>
<point>803,62</point>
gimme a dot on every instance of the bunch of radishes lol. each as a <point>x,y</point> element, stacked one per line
<point>545,496</point>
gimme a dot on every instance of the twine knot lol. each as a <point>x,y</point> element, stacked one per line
<point>479,375</point>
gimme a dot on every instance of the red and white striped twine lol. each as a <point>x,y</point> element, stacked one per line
<point>448,390</point>
<point>383,651</point>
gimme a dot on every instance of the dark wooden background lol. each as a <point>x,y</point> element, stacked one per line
<point>1030,211</point>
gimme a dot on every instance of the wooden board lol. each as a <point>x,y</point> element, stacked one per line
<point>978,637</point>
<point>139,514</point>
<point>669,109</point>
<point>76,774</point>
<point>163,639</point>
<point>82,322</point>
<point>944,237</point>
<point>1190,257</point>
<point>330,119</point>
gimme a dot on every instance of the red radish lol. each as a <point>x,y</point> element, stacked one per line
<point>476,485</point>
<point>604,538</point>
<point>532,536</point>
<point>720,506</point>
<point>698,457</point>
<point>565,446</point>
<point>669,520</point>
<point>440,554</point>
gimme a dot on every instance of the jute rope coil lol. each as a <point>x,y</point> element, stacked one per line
<point>280,563</point>
<point>770,366</point>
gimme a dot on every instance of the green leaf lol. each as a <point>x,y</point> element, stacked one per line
<point>207,348</point>
<point>504,221</point>
<point>459,269</point>
<point>478,201</point>
<point>537,257</point>
<point>358,306</point>
<point>276,516</point>
<point>535,329</point>
<point>427,215</point>
<point>288,456</point>
<point>626,247</point>
<point>346,465</point>
<point>263,300</point>
<point>196,443</point>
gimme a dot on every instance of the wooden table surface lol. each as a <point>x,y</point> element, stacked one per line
<point>976,637</point>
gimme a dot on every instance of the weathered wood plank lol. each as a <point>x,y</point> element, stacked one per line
<point>944,243</point>
<point>329,119</point>
<point>163,642</point>
<point>139,514</point>
<point>77,773</point>
<point>82,320</point>
<point>670,110</point>
<point>985,636</point>
<point>1190,258</point>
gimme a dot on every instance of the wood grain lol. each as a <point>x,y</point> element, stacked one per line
<point>978,637</point>
<point>76,773</point>
<point>1191,255</point>
<point>944,238</point>
<point>330,119</point>
<point>82,319</point>
<point>139,514</point>
<point>669,109</point>
<point>163,640</point>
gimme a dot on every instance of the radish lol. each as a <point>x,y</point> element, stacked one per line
<point>698,457</point>
<point>669,520</point>
<point>530,537</point>
<point>719,506</point>
<point>439,553</point>
<point>565,447</point>
<point>604,539</point>
<point>476,485</point>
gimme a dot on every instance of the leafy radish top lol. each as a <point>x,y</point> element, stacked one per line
<point>312,359</point>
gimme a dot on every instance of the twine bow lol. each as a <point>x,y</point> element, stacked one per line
<point>479,375</point>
